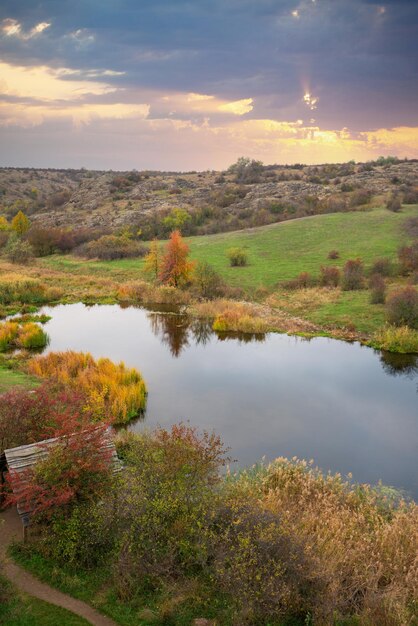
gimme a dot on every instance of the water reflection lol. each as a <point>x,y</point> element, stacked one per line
<point>178,331</point>
<point>346,406</point>
<point>400,364</point>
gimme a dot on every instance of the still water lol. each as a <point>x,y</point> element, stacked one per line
<point>348,407</point>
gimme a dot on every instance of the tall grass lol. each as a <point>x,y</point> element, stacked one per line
<point>113,392</point>
<point>141,292</point>
<point>230,316</point>
<point>27,335</point>
<point>15,288</point>
<point>400,339</point>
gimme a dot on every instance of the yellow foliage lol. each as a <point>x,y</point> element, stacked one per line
<point>113,392</point>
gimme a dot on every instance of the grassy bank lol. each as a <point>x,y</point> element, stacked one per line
<point>276,253</point>
<point>18,609</point>
<point>14,378</point>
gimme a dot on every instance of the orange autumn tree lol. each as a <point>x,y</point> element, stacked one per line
<point>176,269</point>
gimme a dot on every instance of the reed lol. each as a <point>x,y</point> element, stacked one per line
<point>113,392</point>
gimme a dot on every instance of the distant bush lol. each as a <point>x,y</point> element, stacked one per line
<point>353,275</point>
<point>206,281</point>
<point>382,266</point>
<point>302,281</point>
<point>360,197</point>
<point>393,203</point>
<point>410,227</point>
<point>46,241</point>
<point>18,251</point>
<point>330,276</point>
<point>377,288</point>
<point>333,254</point>
<point>110,247</point>
<point>402,307</point>
<point>238,257</point>
<point>408,258</point>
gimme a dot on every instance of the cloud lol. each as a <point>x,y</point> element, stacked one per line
<point>15,114</point>
<point>12,28</point>
<point>47,84</point>
<point>239,107</point>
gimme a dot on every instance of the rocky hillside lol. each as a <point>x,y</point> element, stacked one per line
<point>114,199</point>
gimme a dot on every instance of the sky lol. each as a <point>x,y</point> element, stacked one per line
<point>195,84</point>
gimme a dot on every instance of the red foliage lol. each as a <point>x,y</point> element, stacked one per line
<point>29,416</point>
<point>75,468</point>
<point>175,268</point>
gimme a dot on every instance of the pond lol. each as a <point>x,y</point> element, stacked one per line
<point>350,408</point>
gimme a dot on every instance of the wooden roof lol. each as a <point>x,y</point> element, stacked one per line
<point>22,458</point>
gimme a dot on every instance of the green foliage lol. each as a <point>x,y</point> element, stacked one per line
<point>177,219</point>
<point>206,281</point>
<point>18,250</point>
<point>238,257</point>
<point>20,223</point>
<point>401,339</point>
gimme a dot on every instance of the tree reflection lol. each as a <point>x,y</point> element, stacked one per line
<point>178,331</point>
<point>172,330</point>
<point>396,364</point>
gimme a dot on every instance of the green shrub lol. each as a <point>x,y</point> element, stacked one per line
<point>206,281</point>
<point>400,339</point>
<point>402,307</point>
<point>18,250</point>
<point>238,257</point>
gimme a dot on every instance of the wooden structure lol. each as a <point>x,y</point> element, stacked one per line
<point>21,459</point>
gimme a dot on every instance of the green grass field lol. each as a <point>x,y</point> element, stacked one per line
<point>276,252</point>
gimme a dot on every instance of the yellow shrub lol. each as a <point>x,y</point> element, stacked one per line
<point>8,334</point>
<point>31,335</point>
<point>113,392</point>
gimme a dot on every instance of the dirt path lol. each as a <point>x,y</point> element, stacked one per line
<point>11,528</point>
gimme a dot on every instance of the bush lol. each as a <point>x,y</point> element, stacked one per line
<point>27,335</point>
<point>399,339</point>
<point>382,266</point>
<point>330,276</point>
<point>18,250</point>
<point>402,307</point>
<point>32,336</point>
<point>238,257</point>
<point>377,287</point>
<point>30,416</point>
<point>410,226</point>
<point>333,254</point>
<point>353,275</point>
<point>110,247</point>
<point>303,281</point>
<point>394,203</point>
<point>113,392</point>
<point>206,281</point>
<point>408,258</point>
<point>46,241</point>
